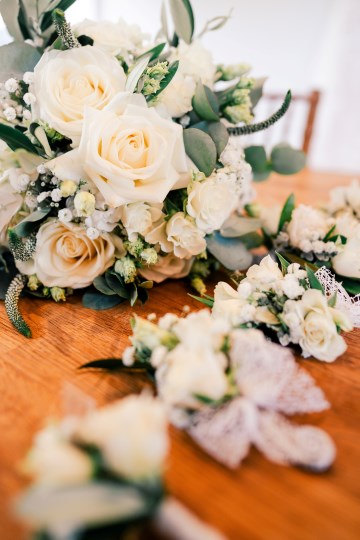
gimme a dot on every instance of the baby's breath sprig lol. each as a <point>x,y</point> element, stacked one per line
<point>12,305</point>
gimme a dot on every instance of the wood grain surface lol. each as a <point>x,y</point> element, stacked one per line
<point>258,501</point>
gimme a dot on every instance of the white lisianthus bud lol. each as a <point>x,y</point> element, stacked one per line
<point>126,268</point>
<point>68,188</point>
<point>84,203</point>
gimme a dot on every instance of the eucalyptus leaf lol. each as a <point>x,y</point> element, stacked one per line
<point>230,252</point>
<point>9,10</point>
<point>256,157</point>
<point>205,103</point>
<point>256,91</point>
<point>136,72</point>
<point>115,282</point>
<point>286,213</point>
<point>251,240</point>
<point>154,52</point>
<point>31,222</point>
<point>287,160</point>
<point>219,135</point>
<point>201,149</point>
<point>183,18</point>
<point>236,226</point>
<point>16,58</point>
<point>101,285</point>
<point>99,302</point>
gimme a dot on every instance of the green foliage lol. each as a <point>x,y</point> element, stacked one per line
<point>8,271</point>
<point>15,139</point>
<point>167,79</point>
<point>16,58</point>
<point>256,91</point>
<point>22,251</point>
<point>287,160</point>
<point>256,157</point>
<point>332,300</point>
<point>219,135</point>
<point>230,252</point>
<point>183,18</point>
<point>153,53</point>
<point>352,286</point>
<point>286,213</point>
<point>63,29</point>
<point>201,149</point>
<point>207,301</point>
<point>205,103</point>
<point>31,223</point>
<point>284,263</point>
<point>12,305</point>
<point>113,365</point>
<point>313,280</point>
<point>137,71</point>
<point>98,301</point>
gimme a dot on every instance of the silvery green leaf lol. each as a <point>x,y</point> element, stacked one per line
<point>219,135</point>
<point>257,91</point>
<point>16,58</point>
<point>287,160</point>
<point>183,18</point>
<point>236,226</point>
<point>257,159</point>
<point>201,149</point>
<point>136,72</point>
<point>215,23</point>
<point>9,10</point>
<point>205,103</point>
<point>230,252</point>
<point>93,504</point>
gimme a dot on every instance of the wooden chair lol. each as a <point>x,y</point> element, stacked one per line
<point>296,127</point>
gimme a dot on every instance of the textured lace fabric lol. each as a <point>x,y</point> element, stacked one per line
<point>344,302</point>
<point>271,384</point>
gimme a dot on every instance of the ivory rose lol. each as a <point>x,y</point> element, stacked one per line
<point>138,218</point>
<point>313,324</point>
<point>116,38</point>
<point>128,151</point>
<point>168,267</point>
<point>65,82</point>
<point>66,257</point>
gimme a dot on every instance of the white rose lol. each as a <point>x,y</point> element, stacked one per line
<point>168,267</point>
<point>179,235</point>
<point>307,224</point>
<point>196,61</point>
<point>54,461</point>
<point>132,435</point>
<point>270,218</point>
<point>116,38</point>
<point>128,151</point>
<point>211,202</point>
<point>65,82</point>
<point>264,276</point>
<point>344,197</point>
<point>177,96</point>
<point>139,217</point>
<point>192,329</point>
<point>187,372</point>
<point>231,305</point>
<point>347,262</point>
<point>10,204</point>
<point>312,324</point>
<point>66,257</point>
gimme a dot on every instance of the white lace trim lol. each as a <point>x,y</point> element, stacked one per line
<point>270,383</point>
<point>344,302</point>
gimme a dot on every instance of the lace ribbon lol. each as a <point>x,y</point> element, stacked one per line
<point>344,302</point>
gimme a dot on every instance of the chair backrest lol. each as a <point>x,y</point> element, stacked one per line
<point>296,127</point>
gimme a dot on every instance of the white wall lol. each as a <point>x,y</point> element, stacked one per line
<point>299,44</point>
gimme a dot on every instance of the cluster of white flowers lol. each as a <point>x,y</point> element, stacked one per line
<point>16,101</point>
<point>285,304</point>
<point>131,436</point>
<point>230,390</point>
<point>330,233</point>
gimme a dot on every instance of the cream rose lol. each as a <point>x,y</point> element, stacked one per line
<point>264,276</point>
<point>177,96</point>
<point>312,324</point>
<point>65,82</point>
<point>347,262</point>
<point>196,61</point>
<point>10,204</point>
<point>179,235</point>
<point>232,305</point>
<point>211,202</point>
<point>116,38</point>
<point>128,151</point>
<point>66,257</point>
<point>139,217</point>
<point>168,267</point>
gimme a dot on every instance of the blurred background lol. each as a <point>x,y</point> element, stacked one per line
<point>305,45</point>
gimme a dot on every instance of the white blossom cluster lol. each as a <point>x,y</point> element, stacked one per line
<point>16,101</point>
<point>284,303</point>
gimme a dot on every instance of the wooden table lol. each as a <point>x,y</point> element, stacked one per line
<point>258,501</point>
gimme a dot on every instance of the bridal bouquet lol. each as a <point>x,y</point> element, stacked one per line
<point>121,163</point>
<point>230,390</point>
<point>102,474</point>
<point>326,235</point>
